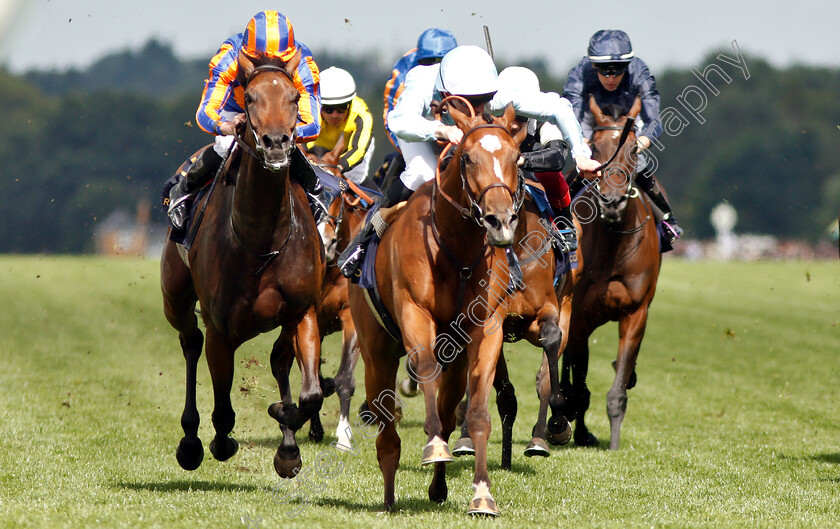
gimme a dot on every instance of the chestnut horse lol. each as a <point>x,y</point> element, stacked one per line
<point>621,249</point>
<point>255,264</point>
<point>346,215</point>
<point>540,314</point>
<point>439,273</point>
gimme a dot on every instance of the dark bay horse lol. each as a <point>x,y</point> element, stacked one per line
<point>256,263</point>
<point>540,314</point>
<point>621,249</point>
<point>441,277</point>
<point>346,215</point>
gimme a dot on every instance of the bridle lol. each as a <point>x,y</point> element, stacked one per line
<point>632,190</point>
<point>258,146</point>
<point>474,211</point>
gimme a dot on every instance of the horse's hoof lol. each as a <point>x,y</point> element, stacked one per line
<point>398,413</point>
<point>485,506</point>
<point>460,413</point>
<point>287,464</point>
<point>406,389</point>
<point>436,453</point>
<point>464,447</point>
<point>558,433</point>
<point>537,447</point>
<point>438,496</point>
<point>586,440</point>
<point>226,451</point>
<point>190,453</point>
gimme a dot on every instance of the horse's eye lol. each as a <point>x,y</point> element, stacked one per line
<point>296,98</point>
<point>249,99</point>
<point>465,159</point>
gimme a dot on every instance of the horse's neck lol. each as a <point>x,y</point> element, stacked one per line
<point>261,204</point>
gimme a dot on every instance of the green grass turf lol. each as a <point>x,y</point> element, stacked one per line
<point>733,422</point>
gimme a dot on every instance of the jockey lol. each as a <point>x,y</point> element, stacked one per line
<point>544,153</point>
<point>268,35</point>
<point>467,71</point>
<point>345,113</point>
<point>615,77</point>
<point>432,45</point>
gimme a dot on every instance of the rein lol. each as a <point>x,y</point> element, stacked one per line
<point>269,256</point>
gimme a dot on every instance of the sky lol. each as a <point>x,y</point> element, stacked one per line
<point>59,34</point>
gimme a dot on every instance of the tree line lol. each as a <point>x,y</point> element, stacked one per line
<point>79,144</point>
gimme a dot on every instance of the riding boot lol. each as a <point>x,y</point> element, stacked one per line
<point>305,174</point>
<point>566,235</point>
<point>647,182</point>
<point>204,166</point>
<point>354,255</point>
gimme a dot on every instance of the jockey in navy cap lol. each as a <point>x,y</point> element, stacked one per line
<point>615,77</point>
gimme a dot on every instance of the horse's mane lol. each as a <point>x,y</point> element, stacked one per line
<point>261,60</point>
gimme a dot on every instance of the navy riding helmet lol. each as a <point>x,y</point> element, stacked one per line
<point>610,51</point>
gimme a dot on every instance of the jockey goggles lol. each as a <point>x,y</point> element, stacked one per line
<point>610,69</point>
<point>329,109</point>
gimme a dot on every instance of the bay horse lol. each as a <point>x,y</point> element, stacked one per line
<point>346,215</point>
<point>539,313</point>
<point>438,270</point>
<point>256,263</point>
<point>621,249</point>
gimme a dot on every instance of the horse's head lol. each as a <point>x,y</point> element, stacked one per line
<point>616,185</point>
<point>487,160</point>
<point>271,106</point>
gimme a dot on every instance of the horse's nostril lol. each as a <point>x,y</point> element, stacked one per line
<point>267,141</point>
<point>513,218</point>
<point>492,222</point>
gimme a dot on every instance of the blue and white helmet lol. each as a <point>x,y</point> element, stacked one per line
<point>610,45</point>
<point>435,43</point>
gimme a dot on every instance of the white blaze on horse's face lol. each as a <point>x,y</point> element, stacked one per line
<point>492,144</point>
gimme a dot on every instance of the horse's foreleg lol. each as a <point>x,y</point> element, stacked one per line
<point>483,356</point>
<point>631,330</point>
<point>287,459</point>
<point>345,381</point>
<point>220,361</point>
<point>452,387</point>
<point>537,445</point>
<point>418,336</point>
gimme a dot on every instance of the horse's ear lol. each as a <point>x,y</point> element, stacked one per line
<point>596,110</point>
<point>636,108</point>
<point>293,63</point>
<point>519,131</point>
<point>246,67</point>
<point>461,119</point>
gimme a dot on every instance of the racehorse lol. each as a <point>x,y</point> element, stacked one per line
<point>255,264</point>
<point>438,270</point>
<point>346,215</point>
<point>540,314</point>
<point>621,250</point>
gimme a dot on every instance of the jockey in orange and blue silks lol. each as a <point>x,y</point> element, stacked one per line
<point>268,35</point>
<point>432,45</point>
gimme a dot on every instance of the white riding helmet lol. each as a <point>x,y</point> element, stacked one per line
<point>467,71</point>
<point>516,82</point>
<point>337,86</point>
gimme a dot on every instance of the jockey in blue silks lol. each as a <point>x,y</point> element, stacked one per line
<point>615,77</point>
